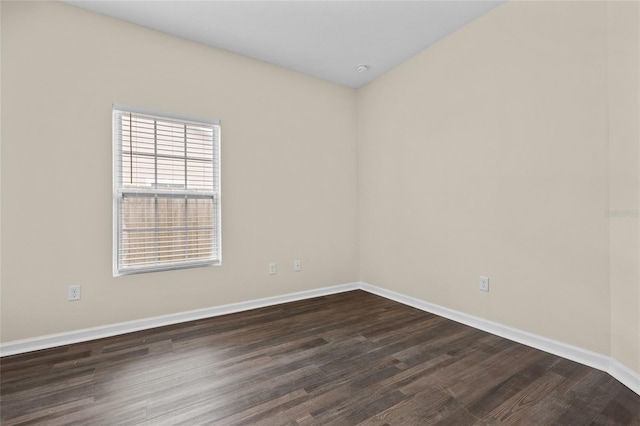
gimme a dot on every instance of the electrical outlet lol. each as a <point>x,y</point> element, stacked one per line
<point>297,266</point>
<point>73,292</point>
<point>484,283</point>
<point>272,269</point>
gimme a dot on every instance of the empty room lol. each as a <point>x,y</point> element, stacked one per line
<point>320,212</point>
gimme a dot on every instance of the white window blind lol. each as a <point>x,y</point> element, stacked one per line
<point>166,194</point>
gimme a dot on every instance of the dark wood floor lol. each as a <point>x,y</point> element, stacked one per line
<point>346,359</point>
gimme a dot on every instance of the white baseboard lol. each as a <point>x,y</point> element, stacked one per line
<point>621,372</point>
<point>624,375</point>
<point>61,339</point>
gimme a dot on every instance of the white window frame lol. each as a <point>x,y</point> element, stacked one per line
<point>119,191</point>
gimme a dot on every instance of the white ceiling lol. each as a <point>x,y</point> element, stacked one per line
<point>325,39</point>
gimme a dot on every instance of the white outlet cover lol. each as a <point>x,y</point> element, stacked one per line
<point>74,292</point>
<point>484,283</point>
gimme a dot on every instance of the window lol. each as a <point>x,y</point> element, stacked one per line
<point>166,192</point>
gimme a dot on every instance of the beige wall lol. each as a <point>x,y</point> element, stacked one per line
<point>495,152</point>
<point>289,170</point>
<point>488,154</point>
<point>623,69</point>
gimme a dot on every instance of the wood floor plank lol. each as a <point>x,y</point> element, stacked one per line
<point>517,408</point>
<point>346,359</point>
